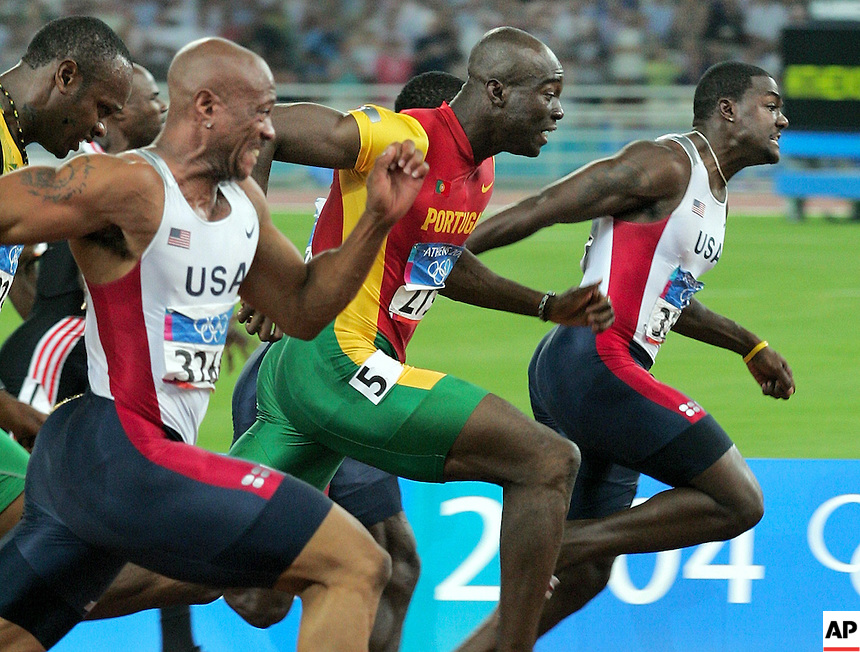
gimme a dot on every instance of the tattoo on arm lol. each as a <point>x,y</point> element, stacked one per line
<point>60,185</point>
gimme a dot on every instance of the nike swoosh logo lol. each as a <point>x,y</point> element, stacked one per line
<point>248,234</point>
<point>486,188</point>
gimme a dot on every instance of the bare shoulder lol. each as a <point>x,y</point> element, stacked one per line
<point>651,168</point>
<point>663,157</point>
<point>669,161</point>
<point>140,171</point>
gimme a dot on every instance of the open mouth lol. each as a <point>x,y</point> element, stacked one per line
<point>545,134</point>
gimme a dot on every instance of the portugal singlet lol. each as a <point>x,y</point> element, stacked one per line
<point>424,245</point>
<point>12,160</point>
<point>155,336</point>
<point>676,251</point>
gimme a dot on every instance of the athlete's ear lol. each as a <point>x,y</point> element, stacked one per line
<point>67,76</point>
<point>727,109</point>
<point>497,92</point>
<point>204,103</point>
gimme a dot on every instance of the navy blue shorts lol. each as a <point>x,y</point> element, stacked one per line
<point>597,391</point>
<point>96,498</point>
<point>364,491</point>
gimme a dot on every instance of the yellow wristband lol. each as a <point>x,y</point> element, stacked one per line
<point>754,352</point>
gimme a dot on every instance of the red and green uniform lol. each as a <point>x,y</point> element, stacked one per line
<point>349,392</point>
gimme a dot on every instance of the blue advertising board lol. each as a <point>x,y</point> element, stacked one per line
<point>766,590</point>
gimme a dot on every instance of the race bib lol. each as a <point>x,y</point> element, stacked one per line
<point>8,266</point>
<point>426,270</point>
<point>676,296</point>
<point>411,305</point>
<point>194,339</point>
<point>377,376</point>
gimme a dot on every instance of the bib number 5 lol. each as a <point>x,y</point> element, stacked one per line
<point>376,377</point>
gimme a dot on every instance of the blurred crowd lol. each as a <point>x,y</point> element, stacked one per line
<point>655,42</point>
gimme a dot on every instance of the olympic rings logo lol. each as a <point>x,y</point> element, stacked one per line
<point>815,537</point>
<point>212,329</point>
<point>12,254</point>
<point>439,270</point>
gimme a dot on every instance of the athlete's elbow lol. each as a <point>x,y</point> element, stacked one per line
<point>309,323</point>
<point>304,330</point>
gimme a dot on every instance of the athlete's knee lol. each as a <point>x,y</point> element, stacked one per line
<point>403,549</point>
<point>260,608</point>
<point>747,511</point>
<point>374,568</point>
<point>578,584</point>
<point>364,565</point>
<point>558,461</point>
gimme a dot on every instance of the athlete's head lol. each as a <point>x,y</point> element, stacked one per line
<point>140,120</point>
<point>221,97</point>
<point>744,102</point>
<point>729,79</point>
<point>428,90</point>
<point>80,73</point>
<point>517,80</point>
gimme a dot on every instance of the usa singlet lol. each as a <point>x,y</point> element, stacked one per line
<point>161,329</point>
<point>676,251</point>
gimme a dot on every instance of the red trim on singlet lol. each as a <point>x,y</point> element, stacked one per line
<point>633,247</point>
<point>66,335</point>
<point>332,212</point>
<point>122,332</point>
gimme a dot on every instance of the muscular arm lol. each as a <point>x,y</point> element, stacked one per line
<point>768,367</point>
<point>312,134</point>
<point>302,298</point>
<point>700,323</point>
<point>309,134</point>
<point>43,204</point>
<point>472,282</point>
<point>640,183</point>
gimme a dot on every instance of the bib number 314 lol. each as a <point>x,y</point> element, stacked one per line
<point>376,377</point>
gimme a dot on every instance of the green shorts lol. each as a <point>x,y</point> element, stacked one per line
<point>13,468</point>
<point>310,416</point>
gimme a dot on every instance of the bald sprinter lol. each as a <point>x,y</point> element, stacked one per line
<point>167,238</point>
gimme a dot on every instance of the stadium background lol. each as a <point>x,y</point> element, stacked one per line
<point>629,67</point>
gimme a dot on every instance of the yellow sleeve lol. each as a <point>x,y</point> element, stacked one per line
<point>379,127</point>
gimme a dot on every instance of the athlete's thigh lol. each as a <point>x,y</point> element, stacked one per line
<point>601,488</point>
<point>168,506</point>
<point>338,546</point>
<point>369,494</point>
<point>278,445</point>
<point>50,577</point>
<point>395,417</point>
<point>615,410</point>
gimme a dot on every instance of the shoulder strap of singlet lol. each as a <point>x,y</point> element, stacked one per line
<point>158,163</point>
<point>688,146</point>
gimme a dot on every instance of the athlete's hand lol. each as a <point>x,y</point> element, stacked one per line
<point>395,180</point>
<point>581,306</point>
<point>772,373</point>
<point>20,419</point>
<point>256,323</point>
